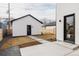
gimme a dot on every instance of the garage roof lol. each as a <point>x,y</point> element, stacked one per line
<point>26,16</point>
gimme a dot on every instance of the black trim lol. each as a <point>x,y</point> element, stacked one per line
<point>65,26</point>
<point>26,16</point>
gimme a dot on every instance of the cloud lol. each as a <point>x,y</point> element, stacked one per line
<point>39,10</point>
<point>40,6</point>
<point>49,14</point>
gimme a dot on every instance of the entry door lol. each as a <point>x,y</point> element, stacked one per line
<point>28,29</point>
<point>69,28</point>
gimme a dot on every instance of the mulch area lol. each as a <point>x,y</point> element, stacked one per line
<point>29,44</point>
<point>19,41</point>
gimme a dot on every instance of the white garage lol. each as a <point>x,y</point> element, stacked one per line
<point>26,25</point>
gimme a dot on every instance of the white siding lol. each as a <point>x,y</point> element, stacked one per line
<point>20,26</point>
<point>66,9</point>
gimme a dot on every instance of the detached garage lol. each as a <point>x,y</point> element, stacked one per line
<point>26,25</point>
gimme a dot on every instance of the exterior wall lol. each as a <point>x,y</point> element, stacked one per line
<point>66,9</point>
<point>20,26</point>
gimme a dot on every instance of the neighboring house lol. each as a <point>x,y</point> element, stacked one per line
<point>68,22</point>
<point>26,25</point>
<point>49,28</point>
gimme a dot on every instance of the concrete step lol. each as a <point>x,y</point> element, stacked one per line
<point>68,45</point>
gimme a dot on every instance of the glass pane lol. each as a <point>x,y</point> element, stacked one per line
<point>70,28</point>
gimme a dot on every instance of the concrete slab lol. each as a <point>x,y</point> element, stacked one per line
<point>68,45</point>
<point>46,49</point>
<point>74,53</point>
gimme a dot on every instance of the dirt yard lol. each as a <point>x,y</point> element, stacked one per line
<point>48,33</point>
<point>19,41</point>
<point>48,37</point>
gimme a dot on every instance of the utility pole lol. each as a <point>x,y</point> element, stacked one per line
<point>9,24</point>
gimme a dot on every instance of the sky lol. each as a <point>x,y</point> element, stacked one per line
<point>38,10</point>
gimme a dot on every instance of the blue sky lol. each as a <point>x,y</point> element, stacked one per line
<point>39,10</point>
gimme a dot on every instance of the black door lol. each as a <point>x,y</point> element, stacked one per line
<point>28,29</point>
<point>69,28</point>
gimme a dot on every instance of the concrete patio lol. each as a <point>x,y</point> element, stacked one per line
<point>49,49</point>
<point>46,49</point>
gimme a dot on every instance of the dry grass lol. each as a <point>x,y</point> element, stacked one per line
<point>48,37</point>
<point>19,41</point>
<point>48,33</point>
